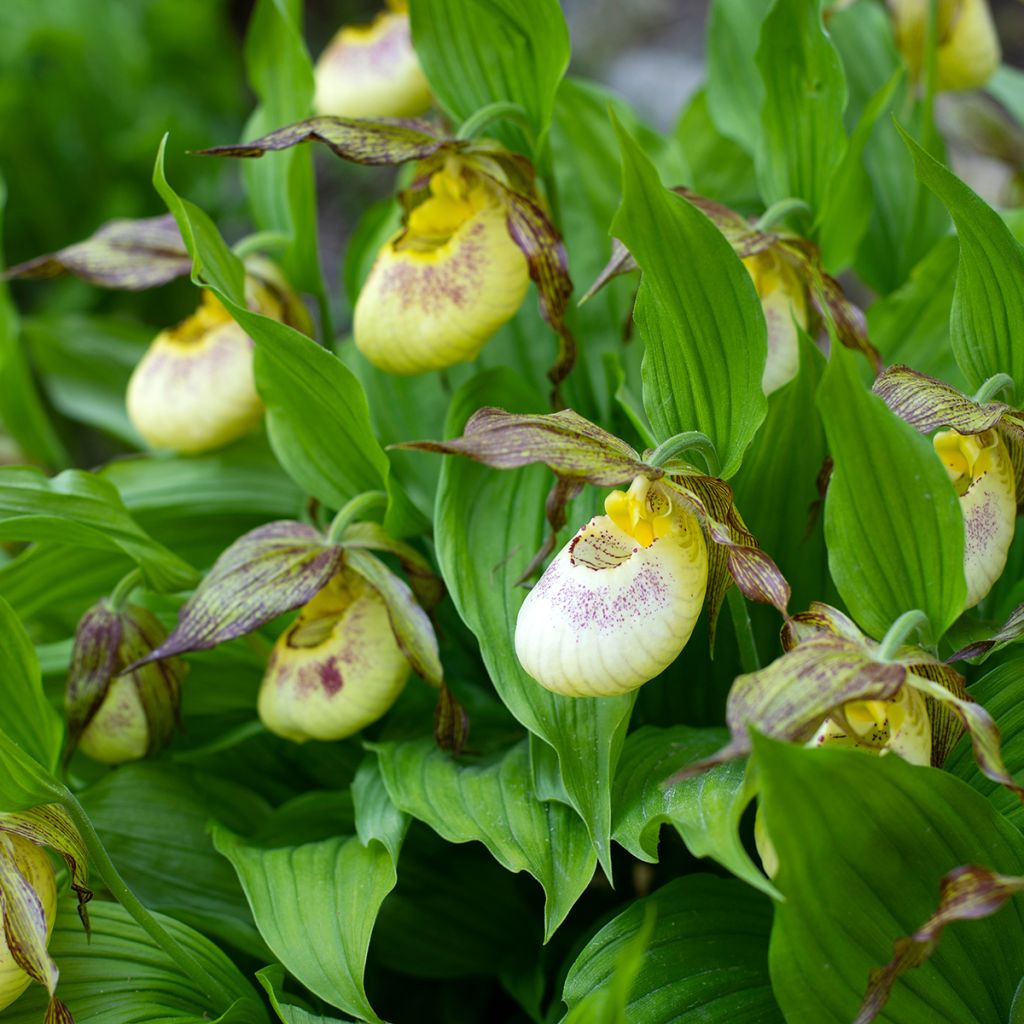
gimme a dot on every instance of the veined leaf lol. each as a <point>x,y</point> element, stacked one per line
<point>495,803</point>
<point>698,313</point>
<point>803,140</point>
<point>488,524</point>
<point>705,811</point>
<point>79,508</point>
<point>511,51</point>
<point>888,832</point>
<point>272,980</point>
<point>987,320</point>
<point>707,958</point>
<point>119,975</point>
<point>28,717</point>
<point>893,525</point>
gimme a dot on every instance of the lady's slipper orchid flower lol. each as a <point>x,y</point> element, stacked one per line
<point>783,298</point>
<point>194,389</point>
<point>446,282</point>
<point>30,866</point>
<point>372,70</point>
<point>119,712</point>
<point>982,473</point>
<point>967,46</point>
<point>28,898</point>
<point>337,668</point>
<point>618,603</point>
<point>474,233</point>
<point>976,449</point>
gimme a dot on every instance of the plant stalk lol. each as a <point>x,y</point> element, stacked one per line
<point>690,440</point>
<point>749,659</point>
<point>353,510</point>
<point>899,631</point>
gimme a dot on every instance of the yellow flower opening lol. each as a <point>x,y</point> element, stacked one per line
<point>444,284</point>
<point>372,71</point>
<point>967,46</point>
<point>337,668</point>
<point>618,603</point>
<point>784,303</point>
<point>981,469</point>
<point>35,867</point>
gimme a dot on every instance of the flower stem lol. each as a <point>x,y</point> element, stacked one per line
<point>353,510</point>
<point>996,383</point>
<point>503,110</point>
<point>749,659</point>
<point>124,588</point>
<point>99,861</point>
<point>689,441</point>
<point>899,631</point>
<point>780,211</point>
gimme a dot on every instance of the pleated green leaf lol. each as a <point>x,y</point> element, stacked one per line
<point>315,904</point>
<point>863,843</point>
<point>698,314</point>
<point>152,818</point>
<point>705,810</point>
<point>503,51</point>
<point>987,320</point>
<point>118,975</point>
<point>290,1012</point>
<point>494,801</point>
<point>706,963</point>
<point>893,523</point>
<point>803,140</point>
<point>28,718</point>
<point>488,524</point>
<point>80,508</point>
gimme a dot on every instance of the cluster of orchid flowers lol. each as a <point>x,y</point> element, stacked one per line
<point>618,603</point>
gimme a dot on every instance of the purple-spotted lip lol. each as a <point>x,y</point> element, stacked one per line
<point>621,548</point>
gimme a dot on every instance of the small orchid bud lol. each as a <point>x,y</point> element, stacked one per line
<point>619,601</point>
<point>784,303</point>
<point>372,71</point>
<point>39,896</point>
<point>982,473</point>
<point>443,285</point>
<point>194,389</point>
<point>337,668</point>
<point>967,47</point>
<point>116,716</point>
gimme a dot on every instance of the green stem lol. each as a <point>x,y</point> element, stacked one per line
<point>899,631</point>
<point>749,659</point>
<point>261,241</point>
<point>353,510</point>
<point>503,110</point>
<point>690,440</point>
<point>996,383</point>
<point>780,211</point>
<point>124,588</point>
<point>99,861</point>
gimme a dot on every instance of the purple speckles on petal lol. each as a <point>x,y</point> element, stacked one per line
<point>605,609</point>
<point>330,676</point>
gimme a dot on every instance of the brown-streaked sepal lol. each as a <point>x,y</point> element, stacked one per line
<point>929,404</point>
<point>50,825</point>
<point>967,893</point>
<point>567,443</point>
<point>541,244</point>
<point>409,622</point>
<point>620,262</point>
<point>1010,632</point>
<point>451,723</point>
<point>94,662</point>
<point>28,905</point>
<point>265,573</point>
<point>375,141</point>
<point>819,619</point>
<point>425,583</point>
<point>131,255</point>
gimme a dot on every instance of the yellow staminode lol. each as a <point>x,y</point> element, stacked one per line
<point>442,286</point>
<point>619,601</point>
<point>337,668</point>
<point>982,472</point>
<point>967,47</point>
<point>372,71</point>
<point>784,303</point>
<point>34,865</point>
